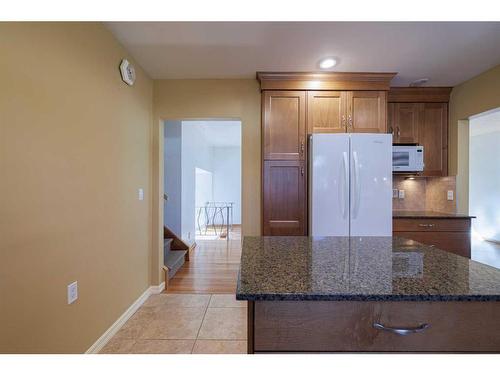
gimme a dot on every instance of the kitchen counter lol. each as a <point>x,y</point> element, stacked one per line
<point>359,269</point>
<point>366,294</point>
<point>402,214</point>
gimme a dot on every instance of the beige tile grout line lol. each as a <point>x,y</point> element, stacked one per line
<point>202,320</point>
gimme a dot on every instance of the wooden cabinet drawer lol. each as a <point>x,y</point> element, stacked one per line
<point>454,242</point>
<point>347,326</point>
<point>431,225</point>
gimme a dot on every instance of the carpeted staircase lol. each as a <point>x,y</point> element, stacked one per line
<point>172,259</point>
<point>175,253</point>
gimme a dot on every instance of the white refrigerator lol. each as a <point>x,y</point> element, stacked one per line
<point>350,185</point>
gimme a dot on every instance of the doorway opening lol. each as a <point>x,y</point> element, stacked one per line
<point>202,186</point>
<point>484,186</point>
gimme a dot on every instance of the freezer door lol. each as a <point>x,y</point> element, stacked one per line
<point>371,185</point>
<point>329,185</point>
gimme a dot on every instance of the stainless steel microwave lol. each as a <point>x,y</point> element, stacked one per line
<point>407,158</point>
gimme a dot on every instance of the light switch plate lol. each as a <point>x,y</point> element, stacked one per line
<point>449,195</point>
<point>401,194</point>
<point>72,292</point>
<point>140,194</point>
<point>395,193</point>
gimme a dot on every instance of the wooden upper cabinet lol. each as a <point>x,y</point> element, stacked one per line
<point>433,135</point>
<point>326,112</point>
<point>403,122</point>
<point>366,111</point>
<point>284,122</point>
<point>285,198</point>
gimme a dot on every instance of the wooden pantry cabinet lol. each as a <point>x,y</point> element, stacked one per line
<point>284,125</point>
<point>420,115</point>
<point>295,105</point>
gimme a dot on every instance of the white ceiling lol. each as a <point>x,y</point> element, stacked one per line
<point>447,53</point>
<point>218,133</point>
<point>485,123</point>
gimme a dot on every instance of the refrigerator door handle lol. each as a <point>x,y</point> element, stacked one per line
<point>357,187</point>
<point>345,191</point>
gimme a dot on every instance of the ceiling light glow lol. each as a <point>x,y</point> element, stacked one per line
<point>327,63</point>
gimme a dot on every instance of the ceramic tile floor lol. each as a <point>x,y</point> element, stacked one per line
<point>184,324</point>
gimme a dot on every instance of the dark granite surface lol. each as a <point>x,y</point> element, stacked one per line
<point>402,214</point>
<point>359,268</point>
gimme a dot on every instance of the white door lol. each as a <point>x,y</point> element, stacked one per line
<point>371,185</point>
<point>329,185</point>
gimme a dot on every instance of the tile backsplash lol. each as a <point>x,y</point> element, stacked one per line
<point>425,194</point>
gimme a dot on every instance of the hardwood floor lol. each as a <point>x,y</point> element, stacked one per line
<point>213,267</point>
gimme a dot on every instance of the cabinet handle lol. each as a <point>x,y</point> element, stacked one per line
<point>399,132</point>
<point>391,130</point>
<point>302,171</point>
<point>343,121</point>
<point>301,147</point>
<point>426,225</point>
<point>401,331</point>
<point>350,121</point>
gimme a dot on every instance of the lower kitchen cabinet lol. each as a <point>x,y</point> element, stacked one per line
<point>452,235</point>
<point>284,198</point>
<point>372,326</point>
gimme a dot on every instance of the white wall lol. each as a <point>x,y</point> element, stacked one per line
<point>172,175</point>
<point>195,154</point>
<point>484,175</point>
<point>227,177</point>
<point>204,193</point>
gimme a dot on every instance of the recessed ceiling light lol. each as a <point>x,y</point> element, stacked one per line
<point>327,63</point>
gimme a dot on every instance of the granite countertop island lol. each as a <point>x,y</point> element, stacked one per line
<point>359,269</point>
<point>366,294</point>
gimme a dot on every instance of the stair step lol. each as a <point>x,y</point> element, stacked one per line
<point>167,243</point>
<point>173,259</point>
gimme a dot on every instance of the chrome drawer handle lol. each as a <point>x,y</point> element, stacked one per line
<point>426,225</point>
<point>401,331</point>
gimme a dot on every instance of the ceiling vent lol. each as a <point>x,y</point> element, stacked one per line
<point>419,82</point>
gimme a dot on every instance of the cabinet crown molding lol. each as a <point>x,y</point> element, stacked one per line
<point>324,81</point>
<point>419,94</point>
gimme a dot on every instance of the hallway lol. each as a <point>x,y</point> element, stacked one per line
<point>213,267</point>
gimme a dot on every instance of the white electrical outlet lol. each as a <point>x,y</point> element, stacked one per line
<point>395,193</point>
<point>72,292</point>
<point>449,195</point>
<point>140,194</point>
<point>401,194</point>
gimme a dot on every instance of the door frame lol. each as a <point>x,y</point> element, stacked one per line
<point>158,190</point>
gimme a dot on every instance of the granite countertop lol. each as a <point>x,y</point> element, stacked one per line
<point>401,214</point>
<point>359,269</point>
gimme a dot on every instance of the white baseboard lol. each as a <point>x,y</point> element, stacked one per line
<point>115,327</point>
<point>157,289</point>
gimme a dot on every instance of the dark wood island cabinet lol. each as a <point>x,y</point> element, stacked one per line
<point>366,294</point>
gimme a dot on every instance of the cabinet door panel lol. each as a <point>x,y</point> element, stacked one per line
<point>367,112</point>
<point>433,135</point>
<point>326,112</point>
<point>406,123</point>
<point>284,198</point>
<point>284,125</point>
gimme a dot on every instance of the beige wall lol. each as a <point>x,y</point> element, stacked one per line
<point>204,99</point>
<point>75,145</point>
<point>477,95</point>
